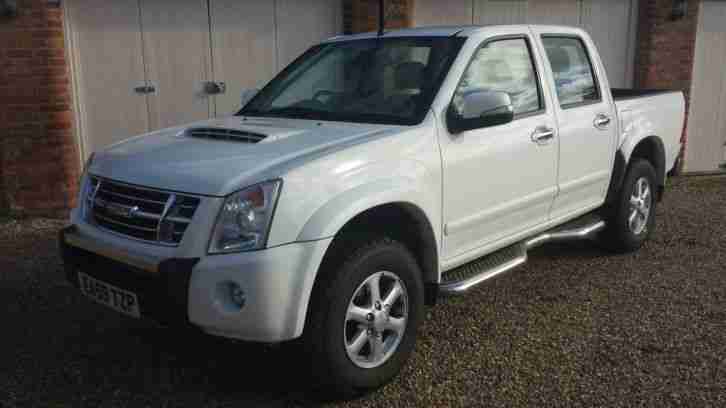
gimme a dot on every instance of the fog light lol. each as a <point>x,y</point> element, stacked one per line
<point>230,297</point>
<point>237,295</point>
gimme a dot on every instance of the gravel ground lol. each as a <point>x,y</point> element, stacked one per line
<point>574,327</point>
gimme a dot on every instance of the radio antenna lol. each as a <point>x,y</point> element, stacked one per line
<point>381,17</point>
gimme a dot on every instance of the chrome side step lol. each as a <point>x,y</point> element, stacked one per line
<point>465,277</point>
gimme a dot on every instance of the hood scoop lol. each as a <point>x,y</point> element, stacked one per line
<point>230,135</point>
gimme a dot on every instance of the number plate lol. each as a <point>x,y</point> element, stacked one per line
<point>116,298</point>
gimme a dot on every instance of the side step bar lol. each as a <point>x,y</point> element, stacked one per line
<point>465,277</point>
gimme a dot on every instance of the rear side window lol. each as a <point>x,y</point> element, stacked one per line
<point>572,69</point>
<point>504,65</point>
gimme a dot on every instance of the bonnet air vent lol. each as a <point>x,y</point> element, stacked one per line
<point>226,134</point>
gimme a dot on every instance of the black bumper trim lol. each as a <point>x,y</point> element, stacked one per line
<point>163,296</point>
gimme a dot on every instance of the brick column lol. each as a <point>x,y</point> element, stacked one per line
<point>39,166</point>
<point>666,47</point>
<point>362,15</point>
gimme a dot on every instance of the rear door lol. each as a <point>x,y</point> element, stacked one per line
<point>500,180</point>
<point>585,117</point>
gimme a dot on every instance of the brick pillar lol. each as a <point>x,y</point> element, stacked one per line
<point>666,47</point>
<point>39,166</point>
<point>362,15</point>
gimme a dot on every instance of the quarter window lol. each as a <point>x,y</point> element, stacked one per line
<point>572,70</point>
<point>505,66</point>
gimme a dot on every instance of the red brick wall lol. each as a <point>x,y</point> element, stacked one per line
<point>362,15</point>
<point>666,47</point>
<point>38,157</point>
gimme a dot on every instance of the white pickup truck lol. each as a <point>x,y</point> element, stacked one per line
<point>373,174</point>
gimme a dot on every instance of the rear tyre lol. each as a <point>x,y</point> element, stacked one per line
<point>365,311</point>
<point>632,219</point>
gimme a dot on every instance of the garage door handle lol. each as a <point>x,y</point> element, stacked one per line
<point>215,87</point>
<point>145,89</point>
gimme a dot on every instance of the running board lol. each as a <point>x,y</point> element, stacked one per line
<point>467,276</point>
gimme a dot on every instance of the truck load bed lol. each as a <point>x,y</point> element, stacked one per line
<point>658,112</point>
<point>620,94</point>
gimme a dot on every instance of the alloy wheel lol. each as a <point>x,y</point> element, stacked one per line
<point>376,319</point>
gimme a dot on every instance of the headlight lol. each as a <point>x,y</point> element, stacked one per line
<point>244,220</point>
<point>88,163</point>
<point>87,187</point>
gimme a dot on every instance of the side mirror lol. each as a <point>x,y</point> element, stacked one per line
<point>478,109</point>
<point>247,95</point>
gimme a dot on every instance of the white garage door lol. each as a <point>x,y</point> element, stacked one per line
<point>144,65</point>
<point>610,22</point>
<point>706,148</point>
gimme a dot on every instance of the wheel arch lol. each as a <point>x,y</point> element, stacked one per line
<point>649,148</point>
<point>402,221</point>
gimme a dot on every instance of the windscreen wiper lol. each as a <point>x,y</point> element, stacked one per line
<point>297,112</point>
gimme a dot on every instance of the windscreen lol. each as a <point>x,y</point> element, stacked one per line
<point>380,80</point>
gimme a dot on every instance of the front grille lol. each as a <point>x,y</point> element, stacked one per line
<point>226,134</point>
<point>139,212</point>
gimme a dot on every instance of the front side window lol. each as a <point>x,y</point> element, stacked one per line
<point>572,70</point>
<point>505,66</point>
<point>381,80</point>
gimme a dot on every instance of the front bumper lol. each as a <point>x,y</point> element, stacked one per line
<point>277,283</point>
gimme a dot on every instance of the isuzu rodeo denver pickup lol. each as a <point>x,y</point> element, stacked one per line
<point>370,176</point>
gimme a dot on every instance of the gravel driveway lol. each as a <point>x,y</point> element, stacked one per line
<point>574,327</point>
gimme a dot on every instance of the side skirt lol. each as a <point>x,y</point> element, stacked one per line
<point>460,280</point>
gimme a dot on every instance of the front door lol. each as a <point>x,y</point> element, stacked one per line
<point>500,180</point>
<point>586,122</point>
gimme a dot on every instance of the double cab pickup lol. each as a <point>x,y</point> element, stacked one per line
<point>373,175</point>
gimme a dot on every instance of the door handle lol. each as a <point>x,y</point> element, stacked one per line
<point>145,89</point>
<point>214,87</point>
<point>601,121</point>
<point>542,135</point>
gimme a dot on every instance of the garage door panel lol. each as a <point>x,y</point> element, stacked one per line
<point>707,116</point>
<point>107,65</point>
<point>428,12</point>
<point>302,23</point>
<point>500,12</point>
<point>611,23</point>
<point>558,12</point>
<point>243,48</point>
<point>176,53</point>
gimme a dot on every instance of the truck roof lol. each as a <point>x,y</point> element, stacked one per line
<point>441,31</point>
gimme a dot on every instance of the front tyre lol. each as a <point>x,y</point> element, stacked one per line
<point>364,315</point>
<point>633,219</point>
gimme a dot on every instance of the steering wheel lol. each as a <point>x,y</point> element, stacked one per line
<point>309,104</point>
<point>323,93</point>
<point>401,103</point>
